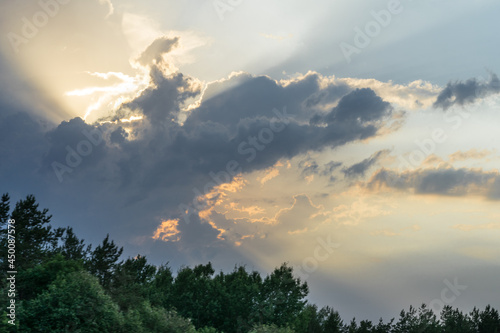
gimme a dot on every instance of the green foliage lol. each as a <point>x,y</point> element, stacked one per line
<point>73,303</point>
<point>365,326</point>
<point>330,320</point>
<point>454,321</point>
<point>352,327</point>
<point>104,261</point>
<point>148,319</point>
<point>310,320</point>
<point>131,282</point>
<point>33,281</point>
<point>271,329</point>
<point>4,208</point>
<point>282,296</point>
<point>35,239</point>
<point>239,293</point>
<point>421,321</point>
<point>383,327</point>
<point>63,286</point>
<point>486,321</point>
<point>72,247</point>
<point>237,301</point>
<point>193,295</point>
<point>207,330</point>
<point>160,292</point>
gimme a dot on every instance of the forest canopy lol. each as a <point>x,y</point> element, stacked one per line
<point>63,284</point>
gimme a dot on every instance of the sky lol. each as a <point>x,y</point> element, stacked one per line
<point>354,140</point>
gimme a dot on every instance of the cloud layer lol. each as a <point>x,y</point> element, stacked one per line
<point>463,93</point>
<point>181,140</point>
<point>440,181</point>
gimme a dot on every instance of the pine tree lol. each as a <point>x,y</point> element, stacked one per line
<point>35,240</point>
<point>104,261</point>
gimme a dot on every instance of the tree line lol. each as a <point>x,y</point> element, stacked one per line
<point>65,285</point>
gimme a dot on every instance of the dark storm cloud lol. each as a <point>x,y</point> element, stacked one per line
<point>448,182</point>
<point>157,49</point>
<point>358,106</point>
<point>78,140</point>
<point>134,175</point>
<point>225,126</point>
<point>21,141</point>
<point>462,93</point>
<point>310,167</point>
<point>330,94</point>
<point>22,130</point>
<point>147,169</point>
<point>246,97</point>
<point>162,102</point>
<point>330,167</point>
<point>361,105</point>
<point>359,169</point>
<point>254,124</point>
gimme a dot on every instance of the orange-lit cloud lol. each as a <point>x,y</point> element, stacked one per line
<point>250,210</point>
<point>216,197</point>
<point>470,154</point>
<point>270,174</point>
<point>168,231</point>
<point>297,232</point>
<point>434,161</point>
<point>220,230</point>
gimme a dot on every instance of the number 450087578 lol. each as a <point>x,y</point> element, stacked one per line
<point>11,239</point>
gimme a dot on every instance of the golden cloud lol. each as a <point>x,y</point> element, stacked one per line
<point>167,231</point>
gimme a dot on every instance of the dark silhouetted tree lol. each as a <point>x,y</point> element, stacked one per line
<point>104,260</point>
<point>486,321</point>
<point>454,321</point>
<point>131,282</point>
<point>193,295</point>
<point>35,240</point>
<point>331,321</point>
<point>73,248</point>
<point>160,293</point>
<point>282,296</point>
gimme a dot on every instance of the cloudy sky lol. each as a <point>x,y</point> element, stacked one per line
<point>356,140</point>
